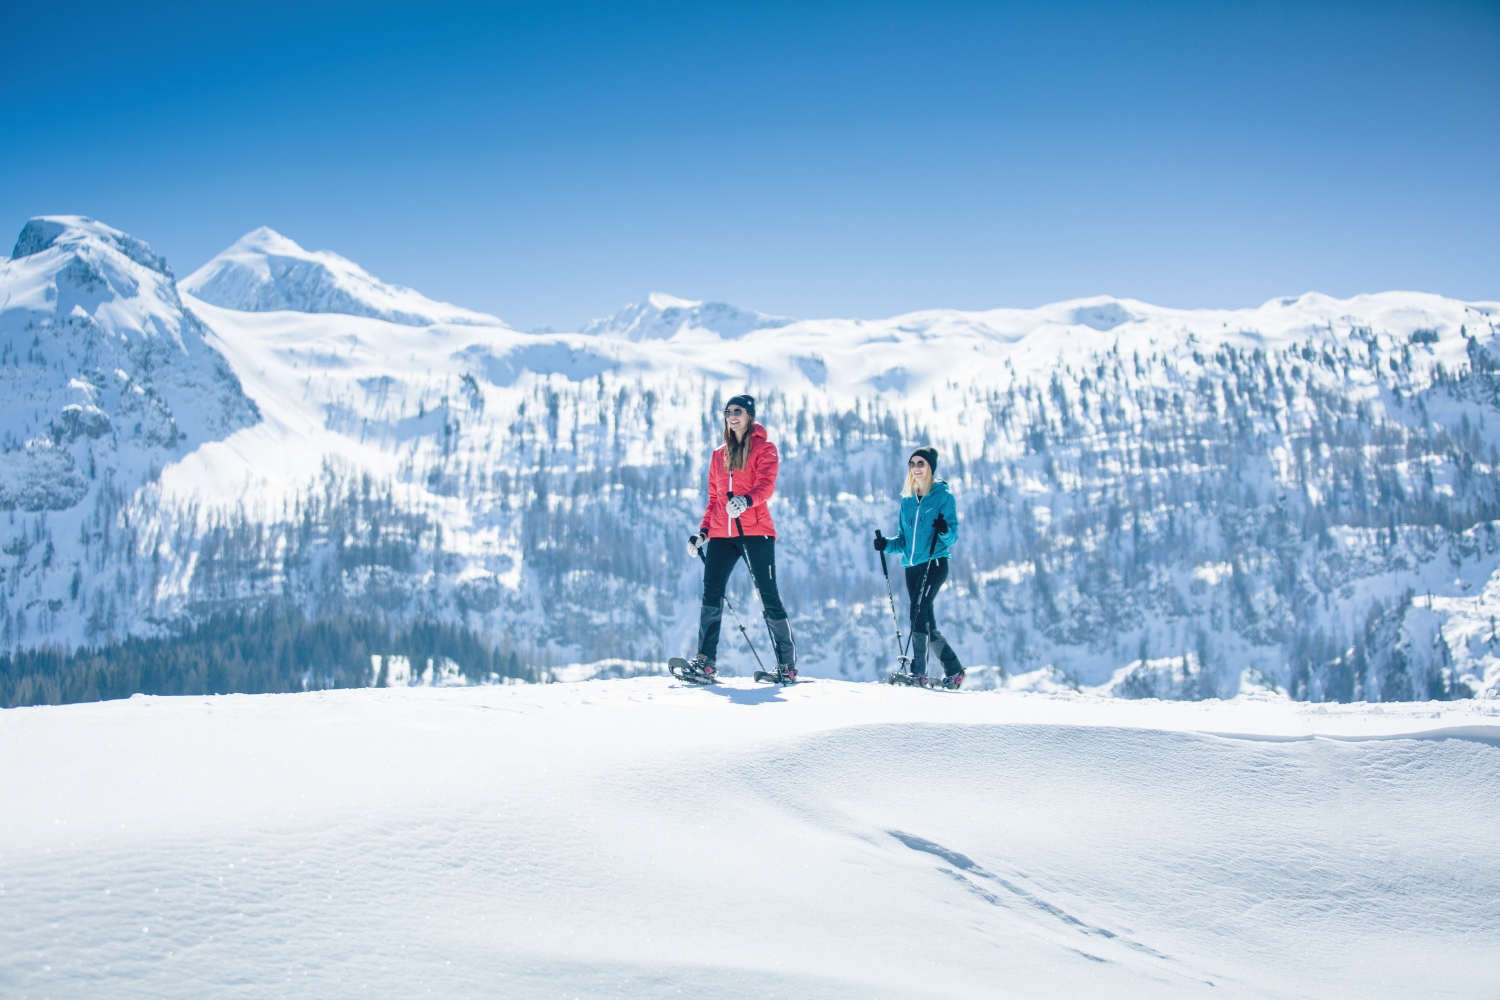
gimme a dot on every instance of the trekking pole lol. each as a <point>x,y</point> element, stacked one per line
<point>741,625</point>
<point>901,657</point>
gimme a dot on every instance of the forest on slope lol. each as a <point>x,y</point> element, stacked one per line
<point>1243,517</point>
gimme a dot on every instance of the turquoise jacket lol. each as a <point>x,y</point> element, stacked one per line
<point>914,534</point>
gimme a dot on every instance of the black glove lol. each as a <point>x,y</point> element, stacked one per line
<point>880,542</point>
<point>940,524</point>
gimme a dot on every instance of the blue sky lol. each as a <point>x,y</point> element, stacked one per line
<point>551,162</point>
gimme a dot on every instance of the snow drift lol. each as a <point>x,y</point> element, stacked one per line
<point>635,838</point>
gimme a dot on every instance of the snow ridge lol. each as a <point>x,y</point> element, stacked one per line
<point>663,317</point>
<point>264,272</point>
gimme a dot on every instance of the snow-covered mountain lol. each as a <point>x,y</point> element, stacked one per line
<point>1183,503</point>
<point>663,316</point>
<point>265,272</point>
<point>107,380</point>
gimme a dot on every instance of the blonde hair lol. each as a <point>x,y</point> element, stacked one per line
<point>909,488</point>
<point>736,450</point>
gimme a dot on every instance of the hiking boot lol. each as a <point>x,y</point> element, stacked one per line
<point>952,681</point>
<point>786,673</point>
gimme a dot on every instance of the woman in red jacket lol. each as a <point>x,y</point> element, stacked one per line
<point>737,525</point>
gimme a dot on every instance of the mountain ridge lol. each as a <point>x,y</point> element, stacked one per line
<point>663,317</point>
<point>264,271</point>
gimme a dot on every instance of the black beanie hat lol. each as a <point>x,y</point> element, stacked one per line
<point>748,402</point>
<point>928,452</point>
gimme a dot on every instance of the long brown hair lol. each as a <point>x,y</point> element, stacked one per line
<point>736,451</point>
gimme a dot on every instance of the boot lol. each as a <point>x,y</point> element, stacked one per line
<point>697,670</point>
<point>709,620</point>
<point>919,659</point>
<point>944,652</point>
<point>781,638</point>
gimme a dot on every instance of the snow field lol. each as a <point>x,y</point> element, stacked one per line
<point>638,838</point>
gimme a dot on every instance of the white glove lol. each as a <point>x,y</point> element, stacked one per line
<point>694,540</point>
<point>737,506</point>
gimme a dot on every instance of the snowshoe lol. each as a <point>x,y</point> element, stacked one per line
<point>952,681</point>
<point>698,670</point>
<point>909,679</point>
<point>783,674</point>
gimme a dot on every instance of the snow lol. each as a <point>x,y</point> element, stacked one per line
<point>639,838</point>
<point>667,317</point>
<point>265,271</point>
<point>106,376</point>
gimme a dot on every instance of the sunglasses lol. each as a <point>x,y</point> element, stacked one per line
<point>733,411</point>
<point>917,463</point>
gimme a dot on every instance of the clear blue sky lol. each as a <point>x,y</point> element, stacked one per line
<point>550,162</point>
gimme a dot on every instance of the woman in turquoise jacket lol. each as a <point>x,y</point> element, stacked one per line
<point>927,530</point>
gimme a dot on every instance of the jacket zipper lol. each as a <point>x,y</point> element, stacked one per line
<point>915,523</point>
<point>738,526</point>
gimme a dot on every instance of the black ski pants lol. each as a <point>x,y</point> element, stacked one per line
<point>721,556</point>
<point>922,584</point>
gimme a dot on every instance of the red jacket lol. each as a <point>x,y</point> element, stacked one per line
<point>756,480</point>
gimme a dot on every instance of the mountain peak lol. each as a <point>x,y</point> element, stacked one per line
<point>112,376</point>
<point>264,271</point>
<point>264,239</point>
<point>47,231</point>
<point>663,301</point>
<point>663,316</point>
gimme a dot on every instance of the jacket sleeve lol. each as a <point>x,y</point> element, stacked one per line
<point>767,464</point>
<point>708,508</point>
<point>898,540</point>
<point>950,514</point>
